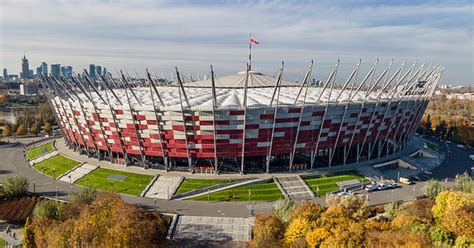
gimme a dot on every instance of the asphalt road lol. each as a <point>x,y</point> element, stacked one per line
<point>12,162</point>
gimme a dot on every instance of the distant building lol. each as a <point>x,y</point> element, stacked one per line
<point>92,70</point>
<point>98,69</point>
<point>39,71</point>
<point>68,72</point>
<point>25,68</point>
<point>5,75</point>
<point>28,88</point>
<point>104,71</point>
<point>63,70</point>
<point>44,68</point>
<point>56,69</point>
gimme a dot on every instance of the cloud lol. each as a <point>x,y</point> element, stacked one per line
<point>160,35</point>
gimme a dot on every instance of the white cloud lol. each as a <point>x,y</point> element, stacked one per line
<point>160,35</point>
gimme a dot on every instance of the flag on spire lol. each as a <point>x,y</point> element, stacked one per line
<point>253,40</point>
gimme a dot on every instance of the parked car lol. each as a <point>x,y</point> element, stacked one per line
<point>471,157</point>
<point>382,186</point>
<point>405,180</point>
<point>371,187</point>
<point>392,184</point>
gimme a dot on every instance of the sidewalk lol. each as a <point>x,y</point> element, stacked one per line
<point>60,145</point>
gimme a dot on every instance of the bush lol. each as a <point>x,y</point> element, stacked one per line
<point>464,183</point>
<point>85,196</point>
<point>432,188</point>
<point>440,237</point>
<point>282,209</point>
<point>392,209</point>
<point>21,130</point>
<point>48,210</point>
<point>6,132</point>
<point>15,186</point>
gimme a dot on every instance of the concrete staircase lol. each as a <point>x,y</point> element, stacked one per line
<point>164,187</point>
<point>294,187</point>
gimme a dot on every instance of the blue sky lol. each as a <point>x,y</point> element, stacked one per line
<point>193,34</point>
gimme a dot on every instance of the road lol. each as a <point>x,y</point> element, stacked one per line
<point>13,163</point>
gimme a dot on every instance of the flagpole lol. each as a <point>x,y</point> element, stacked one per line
<point>250,52</point>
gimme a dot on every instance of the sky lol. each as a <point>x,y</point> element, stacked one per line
<point>192,35</point>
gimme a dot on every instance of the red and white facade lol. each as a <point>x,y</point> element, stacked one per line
<point>244,122</point>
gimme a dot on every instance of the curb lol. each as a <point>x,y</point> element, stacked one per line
<point>147,188</point>
<point>306,186</point>
<point>172,227</point>
<point>245,183</point>
<point>283,191</point>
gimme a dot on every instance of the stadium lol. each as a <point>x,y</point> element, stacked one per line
<point>243,123</point>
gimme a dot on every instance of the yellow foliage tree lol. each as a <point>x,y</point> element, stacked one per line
<point>297,229</point>
<point>267,231</point>
<point>307,210</point>
<point>452,212</point>
<point>316,237</point>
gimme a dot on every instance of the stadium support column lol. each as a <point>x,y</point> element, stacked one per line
<point>276,91</point>
<point>353,75</point>
<point>242,160</point>
<point>331,76</point>
<point>109,147</point>
<point>371,71</point>
<point>132,110</point>
<point>112,112</point>
<point>158,125</point>
<point>376,108</point>
<point>305,83</point>
<point>389,103</point>
<point>214,106</point>
<point>184,118</point>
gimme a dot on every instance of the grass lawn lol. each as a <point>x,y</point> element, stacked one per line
<point>190,184</point>
<point>259,192</point>
<point>59,163</point>
<point>2,243</point>
<point>433,147</point>
<point>40,150</point>
<point>134,184</point>
<point>328,183</point>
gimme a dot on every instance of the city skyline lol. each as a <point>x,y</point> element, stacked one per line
<point>161,35</point>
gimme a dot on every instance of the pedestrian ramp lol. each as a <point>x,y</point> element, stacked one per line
<point>213,228</point>
<point>294,187</point>
<point>43,157</point>
<point>370,173</point>
<point>77,173</point>
<point>164,187</point>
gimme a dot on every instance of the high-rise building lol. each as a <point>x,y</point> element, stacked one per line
<point>44,68</point>
<point>98,69</point>
<point>5,75</point>
<point>63,70</point>
<point>104,72</point>
<point>56,69</point>
<point>68,72</point>
<point>39,71</point>
<point>25,68</point>
<point>92,70</point>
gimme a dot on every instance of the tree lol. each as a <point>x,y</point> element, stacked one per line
<point>297,229</point>
<point>47,128</point>
<point>307,210</point>
<point>464,183</point>
<point>28,235</point>
<point>432,188</point>
<point>21,130</point>
<point>6,131</point>
<point>48,210</point>
<point>392,209</point>
<point>316,237</point>
<point>354,206</point>
<point>35,129</point>
<point>453,210</point>
<point>283,208</point>
<point>85,196</point>
<point>267,232</point>
<point>15,186</point>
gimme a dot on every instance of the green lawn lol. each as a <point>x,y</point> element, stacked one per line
<point>56,166</point>
<point>259,192</point>
<point>134,184</point>
<point>2,243</point>
<point>328,183</point>
<point>433,147</point>
<point>40,150</point>
<point>190,184</point>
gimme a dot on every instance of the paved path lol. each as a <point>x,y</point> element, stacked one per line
<point>164,187</point>
<point>77,173</point>
<point>213,228</point>
<point>43,157</point>
<point>294,188</point>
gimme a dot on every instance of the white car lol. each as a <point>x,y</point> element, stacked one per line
<point>471,157</point>
<point>371,187</point>
<point>382,186</point>
<point>461,147</point>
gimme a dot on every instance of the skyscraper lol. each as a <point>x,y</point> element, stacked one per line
<point>44,68</point>
<point>5,75</point>
<point>98,69</point>
<point>63,70</point>
<point>104,72</point>
<point>56,69</point>
<point>68,72</point>
<point>39,71</point>
<point>92,70</point>
<point>25,68</point>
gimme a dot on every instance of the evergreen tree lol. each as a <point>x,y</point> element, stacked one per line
<point>28,235</point>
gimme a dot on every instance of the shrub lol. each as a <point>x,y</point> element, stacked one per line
<point>48,210</point>
<point>464,241</point>
<point>267,232</point>
<point>85,196</point>
<point>6,132</point>
<point>15,186</point>
<point>464,183</point>
<point>432,188</point>
<point>440,237</point>
<point>21,130</point>
<point>392,209</point>
<point>283,208</point>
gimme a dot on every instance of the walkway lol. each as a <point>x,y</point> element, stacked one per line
<point>213,228</point>
<point>164,187</point>
<point>77,173</point>
<point>295,188</point>
<point>43,157</point>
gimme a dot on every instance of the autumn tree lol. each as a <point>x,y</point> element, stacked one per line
<point>354,206</point>
<point>297,229</point>
<point>453,210</point>
<point>6,131</point>
<point>47,128</point>
<point>268,231</point>
<point>28,235</point>
<point>283,208</point>
<point>21,130</point>
<point>432,188</point>
<point>307,210</point>
<point>35,129</point>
